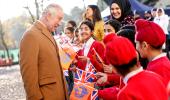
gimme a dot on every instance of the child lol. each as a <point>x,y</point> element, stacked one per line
<point>87,53</point>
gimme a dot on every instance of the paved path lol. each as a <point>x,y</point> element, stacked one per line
<point>11,86</point>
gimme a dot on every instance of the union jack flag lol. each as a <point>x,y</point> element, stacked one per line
<point>78,75</point>
<point>90,68</point>
<point>94,95</point>
<point>65,72</point>
<point>98,58</point>
<point>84,76</point>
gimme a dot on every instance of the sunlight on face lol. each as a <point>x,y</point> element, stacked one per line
<point>89,12</point>
<point>115,11</point>
<point>54,21</point>
<point>85,32</point>
<point>68,33</point>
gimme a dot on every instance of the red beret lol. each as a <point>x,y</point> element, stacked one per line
<point>149,32</point>
<point>120,51</point>
<point>109,38</point>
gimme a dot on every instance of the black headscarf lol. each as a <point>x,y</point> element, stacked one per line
<point>125,7</point>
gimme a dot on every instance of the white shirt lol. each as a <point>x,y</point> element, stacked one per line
<point>87,46</point>
<point>131,74</point>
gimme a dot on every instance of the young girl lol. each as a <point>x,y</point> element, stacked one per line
<point>69,32</point>
<point>111,26</point>
<point>90,45</point>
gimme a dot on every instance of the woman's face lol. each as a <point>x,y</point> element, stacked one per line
<point>85,32</point>
<point>154,13</point>
<point>160,13</point>
<point>68,33</point>
<point>108,29</point>
<point>89,13</point>
<point>115,11</point>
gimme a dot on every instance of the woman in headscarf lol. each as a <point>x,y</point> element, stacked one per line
<point>163,21</point>
<point>121,11</point>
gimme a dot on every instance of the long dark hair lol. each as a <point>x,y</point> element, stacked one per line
<point>125,7</point>
<point>96,13</point>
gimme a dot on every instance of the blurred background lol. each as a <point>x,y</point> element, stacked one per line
<point>17,15</point>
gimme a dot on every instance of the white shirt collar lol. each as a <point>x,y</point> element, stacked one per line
<point>89,42</point>
<point>131,74</point>
<point>87,46</point>
<point>159,56</point>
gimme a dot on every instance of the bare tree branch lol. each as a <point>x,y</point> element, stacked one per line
<point>3,39</point>
<point>29,11</point>
<point>42,5</point>
<point>37,9</point>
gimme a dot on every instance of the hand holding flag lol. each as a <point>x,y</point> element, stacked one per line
<point>98,58</point>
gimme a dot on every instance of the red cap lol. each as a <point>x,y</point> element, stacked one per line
<point>149,32</point>
<point>120,51</point>
<point>109,38</point>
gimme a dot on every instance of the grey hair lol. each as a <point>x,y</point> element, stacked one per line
<point>52,9</point>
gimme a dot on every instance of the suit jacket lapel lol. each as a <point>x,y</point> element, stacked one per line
<point>45,32</point>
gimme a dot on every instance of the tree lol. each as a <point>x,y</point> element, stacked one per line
<point>102,5</point>
<point>16,27</point>
<point>39,7</point>
<point>76,14</point>
<point>29,11</point>
<point>13,30</point>
<point>2,37</point>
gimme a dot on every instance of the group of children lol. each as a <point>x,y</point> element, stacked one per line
<point>122,73</point>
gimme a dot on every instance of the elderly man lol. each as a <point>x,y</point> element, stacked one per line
<point>39,58</point>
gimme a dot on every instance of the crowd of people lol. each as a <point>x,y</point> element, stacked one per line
<point>129,54</point>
